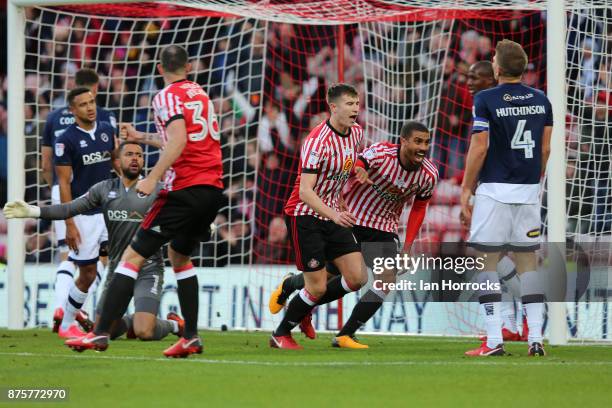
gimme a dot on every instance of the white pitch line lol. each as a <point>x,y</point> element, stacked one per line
<point>199,360</point>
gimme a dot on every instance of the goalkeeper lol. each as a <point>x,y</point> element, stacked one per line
<point>123,210</point>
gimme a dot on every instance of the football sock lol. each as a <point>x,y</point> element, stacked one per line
<point>490,308</point>
<point>533,304</point>
<point>336,288</point>
<point>122,288</point>
<point>96,283</point>
<point>367,306</point>
<point>507,312</point>
<point>187,281</point>
<point>121,327</point>
<point>64,279</point>
<point>508,276</point>
<point>162,329</point>
<point>76,298</point>
<point>299,307</point>
<point>293,283</point>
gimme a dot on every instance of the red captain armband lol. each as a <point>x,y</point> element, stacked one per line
<point>415,220</point>
<point>359,163</point>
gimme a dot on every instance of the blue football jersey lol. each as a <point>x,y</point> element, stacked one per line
<point>59,120</point>
<point>515,116</point>
<point>88,153</point>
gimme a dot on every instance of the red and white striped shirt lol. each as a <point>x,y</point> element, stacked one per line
<point>331,156</point>
<point>380,205</point>
<point>200,161</point>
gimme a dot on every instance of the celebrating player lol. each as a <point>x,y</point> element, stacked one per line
<point>123,210</point>
<point>387,177</point>
<point>82,157</point>
<point>320,229</point>
<point>480,77</point>
<point>507,155</point>
<point>185,207</point>
<point>56,123</point>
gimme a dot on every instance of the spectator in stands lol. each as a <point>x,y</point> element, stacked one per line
<point>275,249</point>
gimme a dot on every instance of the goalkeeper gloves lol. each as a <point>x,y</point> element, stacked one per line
<point>20,209</point>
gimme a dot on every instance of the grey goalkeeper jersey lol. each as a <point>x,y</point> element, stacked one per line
<point>123,209</point>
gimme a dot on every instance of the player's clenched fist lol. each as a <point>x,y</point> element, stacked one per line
<point>128,133</point>
<point>146,186</point>
<point>361,175</point>
<point>20,209</point>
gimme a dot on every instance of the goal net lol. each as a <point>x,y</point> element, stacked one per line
<point>266,66</point>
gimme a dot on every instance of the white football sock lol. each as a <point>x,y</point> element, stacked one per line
<point>64,280</point>
<point>507,312</point>
<point>491,310</point>
<point>532,287</point>
<point>76,298</point>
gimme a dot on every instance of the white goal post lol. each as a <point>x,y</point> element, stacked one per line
<point>556,79</point>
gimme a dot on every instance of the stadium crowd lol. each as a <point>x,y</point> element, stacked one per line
<point>286,78</point>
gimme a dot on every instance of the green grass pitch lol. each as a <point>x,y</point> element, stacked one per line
<point>239,368</point>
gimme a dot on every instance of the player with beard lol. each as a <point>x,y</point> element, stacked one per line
<point>123,209</point>
<point>387,177</point>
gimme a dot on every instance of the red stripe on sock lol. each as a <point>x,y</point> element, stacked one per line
<point>310,296</point>
<point>183,268</point>
<point>129,266</point>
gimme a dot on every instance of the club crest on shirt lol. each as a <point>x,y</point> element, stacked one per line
<point>111,195</point>
<point>59,149</point>
<point>369,154</point>
<point>83,144</point>
<point>104,137</point>
<point>313,158</point>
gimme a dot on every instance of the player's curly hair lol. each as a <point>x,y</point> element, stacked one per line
<point>76,92</point>
<point>86,77</point>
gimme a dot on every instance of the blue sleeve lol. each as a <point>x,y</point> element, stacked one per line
<point>62,152</point>
<point>480,114</point>
<point>47,136</point>
<point>548,121</point>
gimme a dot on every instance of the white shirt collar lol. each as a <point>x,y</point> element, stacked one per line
<point>92,132</point>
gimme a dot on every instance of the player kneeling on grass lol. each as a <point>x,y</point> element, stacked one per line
<point>123,209</point>
<point>507,156</point>
<point>387,177</point>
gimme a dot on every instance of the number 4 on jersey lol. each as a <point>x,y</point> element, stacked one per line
<point>522,139</point>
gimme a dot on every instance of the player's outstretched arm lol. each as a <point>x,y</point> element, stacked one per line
<point>127,132</point>
<point>177,140</point>
<point>89,201</point>
<point>308,195</point>
<point>20,209</point>
<point>476,156</point>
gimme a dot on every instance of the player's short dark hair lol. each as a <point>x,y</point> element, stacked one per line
<point>484,67</point>
<point>335,91</point>
<point>511,58</point>
<point>128,142</point>
<point>410,127</point>
<point>76,92</point>
<point>86,77</point>
<point>173,58</point>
